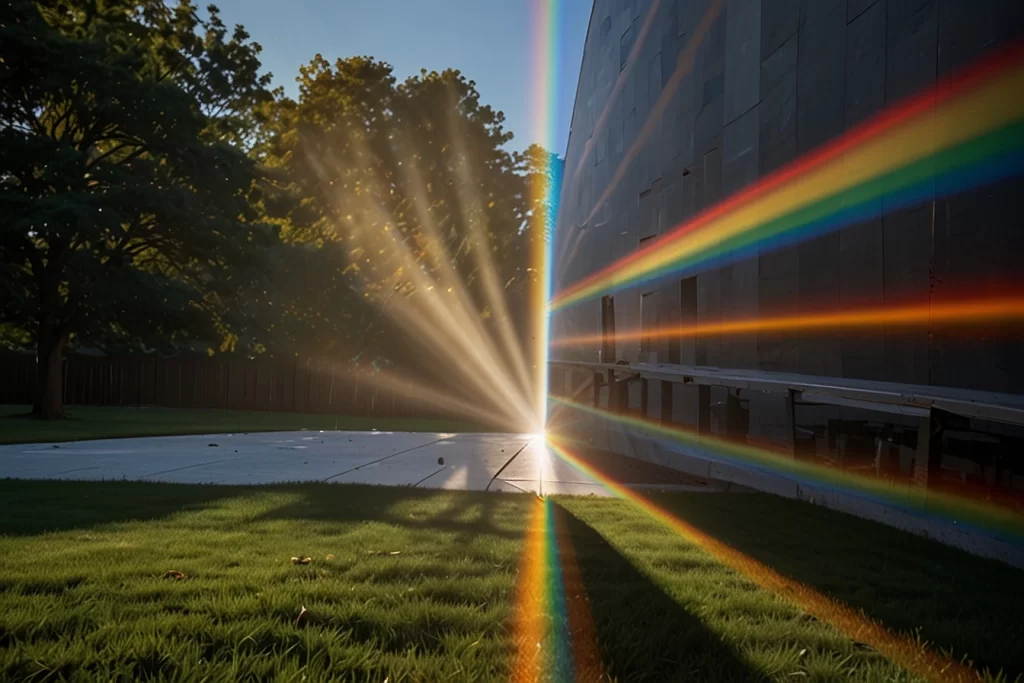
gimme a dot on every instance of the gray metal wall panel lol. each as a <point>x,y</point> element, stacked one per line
<point>772,80</point>
<point>854,8</point>
<point>739,281</point>
<point>778,271</point>
<point>861,267</point>
<point>779,22</point>
<point>819,118</point>
<point>742,57</point>
<point>912,31</point>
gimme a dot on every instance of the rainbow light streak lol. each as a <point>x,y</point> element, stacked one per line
<point>964,512</point>
<point>906,652</point>
<point>545,114</point>
<point>586,658</point>
<point>960,136</point>
<point>963,312</point>
<point>554,632</point>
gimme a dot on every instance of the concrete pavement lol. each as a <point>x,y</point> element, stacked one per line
<point>442,461</point>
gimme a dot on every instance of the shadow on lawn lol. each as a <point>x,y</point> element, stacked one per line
<point>642,633</point>
<point>33,507</point>
<point>467,513</point>
<point>956,601</point>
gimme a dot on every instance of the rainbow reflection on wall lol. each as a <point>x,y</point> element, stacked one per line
<point>965,311</point>
<point>962,135</point>
<point>966,513</point>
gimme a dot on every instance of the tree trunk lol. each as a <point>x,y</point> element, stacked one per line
<point>49,374</point>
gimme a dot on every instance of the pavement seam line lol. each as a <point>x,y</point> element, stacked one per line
<point>188,467</point>
<point>75,469</point>
<point>507,463</point>
<point>374,462</point>
<point>429,476</point>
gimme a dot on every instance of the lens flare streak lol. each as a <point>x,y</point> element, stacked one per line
<point>546,35</point>
<point>554,631</point>
<point>965,512</point>
<point>962,135</point>
<point>440,315</point>
<point>957,312</point>
<point>907,652</point>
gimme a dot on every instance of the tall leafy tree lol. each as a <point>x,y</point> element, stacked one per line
<point>128,207</point>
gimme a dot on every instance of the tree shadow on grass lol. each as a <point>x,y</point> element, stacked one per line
<point>32,507</point>
<point>956,601</point>
<point>467,514</point>
<point>642,633</point>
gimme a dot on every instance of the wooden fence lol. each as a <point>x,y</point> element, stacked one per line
<point>302,386</point>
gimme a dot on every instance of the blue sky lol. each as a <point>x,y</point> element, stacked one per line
<point>490,41</point>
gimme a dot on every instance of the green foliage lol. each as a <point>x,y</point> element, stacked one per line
<point>126,200</point>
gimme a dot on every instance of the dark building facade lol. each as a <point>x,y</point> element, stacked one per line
<point>683,103</point>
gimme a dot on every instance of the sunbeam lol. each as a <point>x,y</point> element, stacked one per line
<point>429,396</point>
<point>464,328</point>
<point>436,311</point>
<point>471,207</point>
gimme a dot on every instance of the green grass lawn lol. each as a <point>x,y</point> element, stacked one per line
<point>413,585</point>
<point>102,422</point>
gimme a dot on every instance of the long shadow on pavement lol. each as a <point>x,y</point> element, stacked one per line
<point>642,633</point>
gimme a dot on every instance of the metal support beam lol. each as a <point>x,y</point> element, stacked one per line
<point>619,398</point>
<point>928,458</point>
<point>553,381</point>
<point>667,399</point>
<point>703,409</point>
<point>791,398</point>
<point>645,398</point>
<point>869,394</point>
<point>736,426</point>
